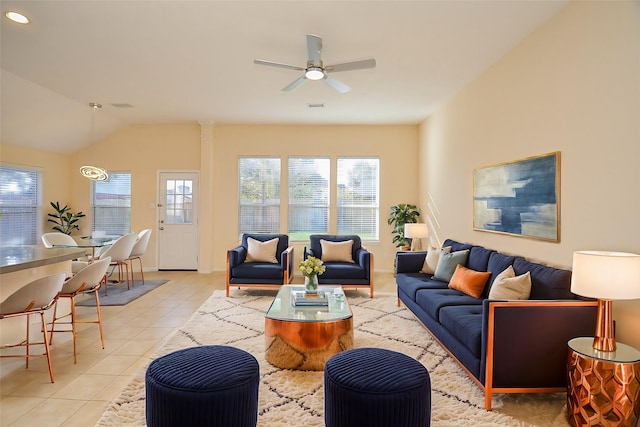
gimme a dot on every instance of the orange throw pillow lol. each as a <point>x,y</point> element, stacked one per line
<point>469,281</point>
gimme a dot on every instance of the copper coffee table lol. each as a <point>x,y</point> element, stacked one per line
<point>306,337</point>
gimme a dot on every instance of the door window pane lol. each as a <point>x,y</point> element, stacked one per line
<point>179,201</point>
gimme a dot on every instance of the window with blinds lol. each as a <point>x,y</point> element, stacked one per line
<point>358,197</point>
<point>20,205</point>
<point>259,190</point>
<point>111,205</point>
<point>308,197</point>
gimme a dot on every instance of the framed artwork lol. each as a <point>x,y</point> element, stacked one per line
<point>519,198</point>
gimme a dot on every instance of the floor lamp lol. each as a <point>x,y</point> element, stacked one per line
<point>415,232</point>
<point>606,276</point>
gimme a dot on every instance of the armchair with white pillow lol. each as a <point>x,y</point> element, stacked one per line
<point>347,262</point>
<point>261,260</point>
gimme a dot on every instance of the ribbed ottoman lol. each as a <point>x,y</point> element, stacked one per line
<point>203,386</point>
<point>375,387</point>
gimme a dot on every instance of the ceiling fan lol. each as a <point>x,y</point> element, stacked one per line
<point>316,70</point>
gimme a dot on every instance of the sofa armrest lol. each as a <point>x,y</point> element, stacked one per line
<point>525,342</point>
<point>307,253</point>
<point>286,261</point>
<point>409,262</point>
<point>236,256</point>
<point>363,258</point>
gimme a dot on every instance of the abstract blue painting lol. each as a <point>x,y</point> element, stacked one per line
<point>519,198</point>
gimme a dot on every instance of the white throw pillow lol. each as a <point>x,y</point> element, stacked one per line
<point>336,251</point>
<point>431,260</point>
<point>507,285</point>
<point>258,251</point>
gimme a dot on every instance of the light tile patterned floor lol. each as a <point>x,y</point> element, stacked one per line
<point>82,391</point>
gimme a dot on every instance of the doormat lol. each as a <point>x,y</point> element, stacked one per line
<point>121,295</point>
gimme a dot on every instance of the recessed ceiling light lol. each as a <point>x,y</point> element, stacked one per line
<point>17,17</point>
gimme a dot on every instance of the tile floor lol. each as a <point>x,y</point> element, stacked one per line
<point>133,332</point>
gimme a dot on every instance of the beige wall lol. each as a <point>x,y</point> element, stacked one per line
<point>390,143</point>
<point>55,175</point>
<point>574,87</point>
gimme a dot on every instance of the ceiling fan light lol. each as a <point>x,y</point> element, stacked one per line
<point>314,73</point>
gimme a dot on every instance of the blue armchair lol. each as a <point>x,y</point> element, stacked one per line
<point>350,269</point>
<point>270,264</point>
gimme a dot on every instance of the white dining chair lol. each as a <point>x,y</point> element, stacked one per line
<point>119,252</point>
<point>86,281</point>
<point>34,298</point>
<point>139,249</point>
<point>49,240</point>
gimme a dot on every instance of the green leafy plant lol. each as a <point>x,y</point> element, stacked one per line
<point>64,220</point>
<point>400,215</point>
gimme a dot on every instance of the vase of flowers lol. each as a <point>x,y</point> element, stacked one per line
<point>310,269</point>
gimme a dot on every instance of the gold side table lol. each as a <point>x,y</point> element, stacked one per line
<point>603,386</point>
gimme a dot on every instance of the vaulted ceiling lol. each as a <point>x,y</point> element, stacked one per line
<point>185,61</point>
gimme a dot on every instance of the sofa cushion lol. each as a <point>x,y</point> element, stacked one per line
<point>336,251</point>
<point>469,282</point>
<point>478,258</point>
<point>431,260</point>
<point>432,300</point>
<point>259,271</point>
<point>258,251</point>
<point>410,283</point>
<point>465,323</point>
<point>456,246</point>
<point>546,282</point>
<point>509,286</point>
<point>498,263</point>
<point>342,270</point>
<point>448,262</point>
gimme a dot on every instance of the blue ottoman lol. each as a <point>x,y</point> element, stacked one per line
<point>203,386</point>
<point>376,387</point>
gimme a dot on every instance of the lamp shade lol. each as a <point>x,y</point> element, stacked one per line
<point>416,231</point>
<point>606,275</point>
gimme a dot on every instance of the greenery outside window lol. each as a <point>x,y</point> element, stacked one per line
<point>111,205</point>
<point>20,206</point>
<point>308,197</point>
<point>358,197</point>
<point>259,195</point>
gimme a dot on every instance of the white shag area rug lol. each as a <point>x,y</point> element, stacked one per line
<point>287,395</point>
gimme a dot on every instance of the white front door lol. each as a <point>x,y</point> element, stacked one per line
<point>178,221</point>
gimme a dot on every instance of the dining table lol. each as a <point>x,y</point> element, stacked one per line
<point>88,242</point>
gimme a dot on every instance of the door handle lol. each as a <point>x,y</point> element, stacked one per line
<point>161,228</point>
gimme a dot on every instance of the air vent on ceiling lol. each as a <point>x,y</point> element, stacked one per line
<point>122,105</point>
<point>316,105</point>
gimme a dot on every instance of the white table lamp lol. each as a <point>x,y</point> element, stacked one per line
<point>415,232</point>
<point>606,276</point>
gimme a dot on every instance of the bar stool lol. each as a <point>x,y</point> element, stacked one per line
<point>86,281</point>
<point>33,298</point>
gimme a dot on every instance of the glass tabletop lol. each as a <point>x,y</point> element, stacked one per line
<point>623,353</point>
<point>88,242</point>
<point>283,308</point>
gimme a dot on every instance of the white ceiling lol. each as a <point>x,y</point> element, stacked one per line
<point>192,61</point>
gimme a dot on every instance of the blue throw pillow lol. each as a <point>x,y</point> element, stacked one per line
<point>447,264</point>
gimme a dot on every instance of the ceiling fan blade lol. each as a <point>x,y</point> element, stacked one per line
<point>277,64</point>
<point>314,49</point>
<point>336,85</point>
<point>295,84</point>
<point>347,66</point>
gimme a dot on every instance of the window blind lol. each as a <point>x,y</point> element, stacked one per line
<point>111,205</point>
<point>21,206</point>
<point>308,197</point>
<point>358,197</point>
<point>259,190</point>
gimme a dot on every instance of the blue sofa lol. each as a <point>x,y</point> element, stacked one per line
<point>357,273</point>
<point>505,346</point>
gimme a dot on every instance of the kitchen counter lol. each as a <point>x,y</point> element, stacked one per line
<point>16,258</point>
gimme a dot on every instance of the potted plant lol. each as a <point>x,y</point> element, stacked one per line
<point>65,221</point>
<point>400,215</point>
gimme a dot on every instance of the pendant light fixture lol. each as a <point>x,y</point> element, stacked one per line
<point>94,173</point>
